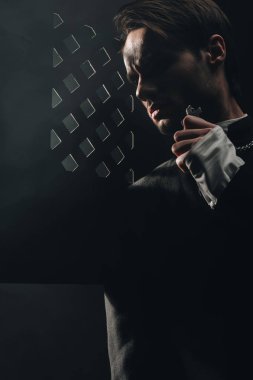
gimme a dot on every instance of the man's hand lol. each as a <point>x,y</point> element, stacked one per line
<point>194,130</point>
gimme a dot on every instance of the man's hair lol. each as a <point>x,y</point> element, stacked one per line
<point>192,22</point>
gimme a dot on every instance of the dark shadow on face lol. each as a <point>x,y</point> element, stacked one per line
<point>167,76</point>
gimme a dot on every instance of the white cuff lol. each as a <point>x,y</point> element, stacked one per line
<point>213,162</point>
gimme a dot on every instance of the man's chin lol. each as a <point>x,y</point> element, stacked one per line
<point>167,126</point>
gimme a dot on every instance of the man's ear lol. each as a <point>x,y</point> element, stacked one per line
<point>216,50</point>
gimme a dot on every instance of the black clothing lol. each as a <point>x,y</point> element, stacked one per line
<point>178,292</point>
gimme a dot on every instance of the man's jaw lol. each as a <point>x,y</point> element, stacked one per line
<point>165,117</point>
<point>168,122</point>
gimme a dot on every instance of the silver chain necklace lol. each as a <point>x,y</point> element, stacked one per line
<point>245,147</point>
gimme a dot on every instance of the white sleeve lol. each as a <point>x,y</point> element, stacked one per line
<point>213,162</point>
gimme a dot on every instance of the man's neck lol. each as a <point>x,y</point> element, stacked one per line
<point>232,110</point>
<point>227,110</point>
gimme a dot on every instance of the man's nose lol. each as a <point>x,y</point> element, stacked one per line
<point>145,89</point>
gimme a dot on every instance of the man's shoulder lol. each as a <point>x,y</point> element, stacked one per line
<point>164,176</point>
<point>166,185</point>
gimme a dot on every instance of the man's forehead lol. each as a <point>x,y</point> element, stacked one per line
<point>141,44</point>
<point>135,42</point>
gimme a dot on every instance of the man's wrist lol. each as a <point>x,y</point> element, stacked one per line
<point>213,162</point>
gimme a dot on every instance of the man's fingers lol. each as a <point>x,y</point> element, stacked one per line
<point>194,129</point>
<point>194,122</point>
<point>180,161</point>
<point>183,146</point>
<point>190,134</point>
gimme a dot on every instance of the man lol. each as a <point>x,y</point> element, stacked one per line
<point>177,296</point>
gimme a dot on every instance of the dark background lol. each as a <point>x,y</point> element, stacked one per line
<point>52,316</point>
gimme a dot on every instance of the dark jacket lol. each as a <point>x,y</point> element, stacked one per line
<point>179,289</point>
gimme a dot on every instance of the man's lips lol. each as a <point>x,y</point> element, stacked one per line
<point>155,114</point>
<point>155,110</point>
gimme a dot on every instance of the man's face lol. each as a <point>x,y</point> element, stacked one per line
<point>167,77</point>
